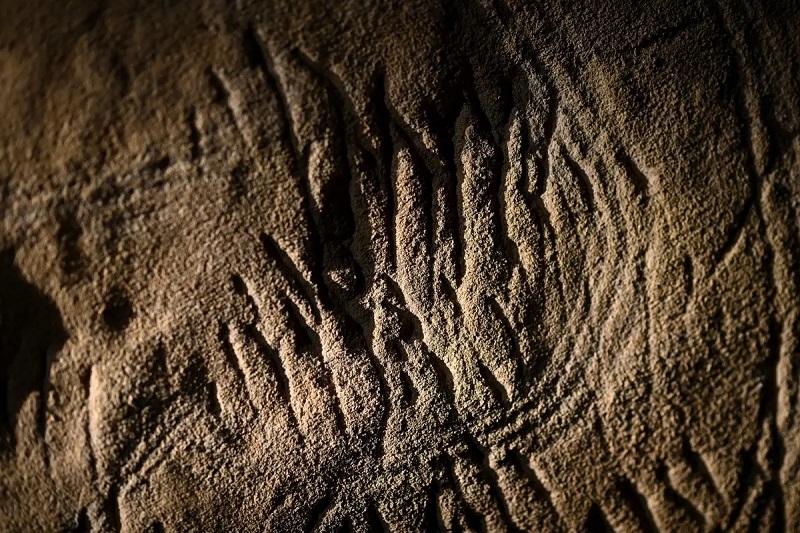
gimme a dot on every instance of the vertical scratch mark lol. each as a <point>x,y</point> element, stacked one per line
<point>309,343</point>
<point>523,465</point>
<point>474,520</point>
<point>443,376</point>
<point>738,82</point>
<point>458,215</point>
<point>494,179</point>
<point>496,388</point>
<point>480,457</point>
<point>677,499</point>
<point>509,332</point>
<point>596,521</point>
<point>735,234</point>
<point>195,138</point>
<point>111,509</point>
<point>393,194</point>
<point>41,415</point>
<point>273,360</point>
<point>413,192</point>
<point>213,404</point>
<point>225,94</point>
<point>514,151</point>
<point>638,504</point>
<point>542,156</point>
<point>82,522</point>
<point>290,272</point>
<point>318,512</point>
<point>408,392</point>
<point>387,120</point>
<point>585,186</point>
<point>375,521</point>
<point>299,157</point>
<point>233,359</point>
<point>89,387</point>
<point>748,479</point>
<point>688,276</point>
<point>432,520</point>
<point>640,182</point>
<point>451,296</point>
<point>776,452</point>
<point>698,465</point>
<point>230,353</point>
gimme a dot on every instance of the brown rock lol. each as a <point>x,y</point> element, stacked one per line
<point>484,265</point>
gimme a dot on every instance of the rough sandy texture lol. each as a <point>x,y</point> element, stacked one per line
<point>418,265</point>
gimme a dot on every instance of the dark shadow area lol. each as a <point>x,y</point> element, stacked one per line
<point>31,332</point>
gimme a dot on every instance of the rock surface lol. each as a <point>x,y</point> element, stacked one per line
<point>421,265</point>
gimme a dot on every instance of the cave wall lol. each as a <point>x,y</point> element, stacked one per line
<point>424,265</point>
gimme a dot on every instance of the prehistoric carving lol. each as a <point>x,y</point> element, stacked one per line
<point>416,266</point>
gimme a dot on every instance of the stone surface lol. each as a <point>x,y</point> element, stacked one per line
<point>421,265</point>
